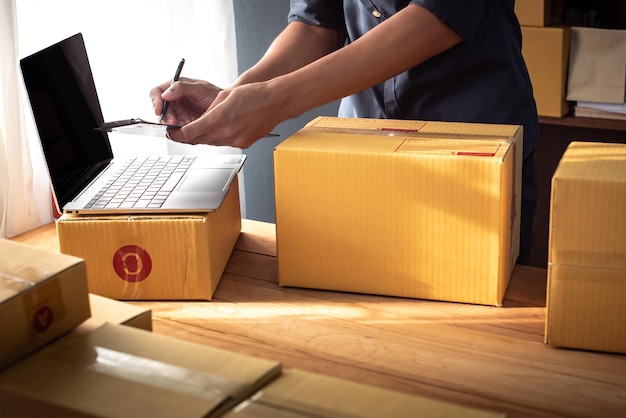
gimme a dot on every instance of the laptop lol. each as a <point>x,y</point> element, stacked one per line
<point>85,177</point>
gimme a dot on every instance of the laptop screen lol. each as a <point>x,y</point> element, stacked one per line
<point>66,109</point>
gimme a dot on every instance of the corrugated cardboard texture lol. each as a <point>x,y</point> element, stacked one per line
<point>587,251</point>
<point>127,372</point>
<point>105,310</point>
<point>546,52</point>
<point>305,394</point>
<point>539,12</point>
<point>43,295</point>
<point>587,308</point>
<point>402,208</point>
<point>154,257</point>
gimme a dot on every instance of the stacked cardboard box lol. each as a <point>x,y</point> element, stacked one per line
<point>427,210</point>
<point>539,13</point>
<point>545,47</point>
<point>43,295</point>
<point>66,352</point>
<point>110,311</point>
<point>123,371</point>
<point>150,257</point>
<point>586,304</point>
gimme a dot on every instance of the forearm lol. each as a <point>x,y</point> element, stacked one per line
<point>405,40</point>
<point>296,46</point>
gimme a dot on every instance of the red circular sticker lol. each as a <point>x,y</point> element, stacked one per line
<point>132,263</point>
<point>43,318</point>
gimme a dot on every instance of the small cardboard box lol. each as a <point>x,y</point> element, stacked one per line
<point>105,310</point>
<point>597,66</point>
<point>43,295</point>
<point>546,52</point>
<point>539,12</point>
<point>121,371</point>
<point>586,304</point>
<point>154,257</point>
<point>417,209</point>
<point>307,394</point>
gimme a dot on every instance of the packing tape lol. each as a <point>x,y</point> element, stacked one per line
<point>162,375</point>
<point>391,127</point>
<point>15,284</point>
<point>265,405</point>
<point>354,125</point>
<point>410,133</point>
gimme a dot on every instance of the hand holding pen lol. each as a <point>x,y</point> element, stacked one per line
<point>179,69</point>
<point>191,100</point>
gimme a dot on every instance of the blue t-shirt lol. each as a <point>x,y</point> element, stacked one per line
<point>482,79</point>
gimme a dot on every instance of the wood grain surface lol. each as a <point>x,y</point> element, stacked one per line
<point>493,358</point>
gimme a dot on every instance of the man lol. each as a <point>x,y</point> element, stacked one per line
<point>447,60</point>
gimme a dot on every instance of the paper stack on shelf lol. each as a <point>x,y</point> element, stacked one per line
<point>597,73</point>
<point>600,110</point>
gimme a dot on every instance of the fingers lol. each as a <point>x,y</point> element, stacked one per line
<point>166,91</point>
<point>157,101</point>
<point>197,133</point>
<point>217,135</point>
<point>207,114</point>
<point>187,134</point>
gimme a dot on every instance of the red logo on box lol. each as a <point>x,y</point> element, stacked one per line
<point>43,318</point>
<point>132,263</point>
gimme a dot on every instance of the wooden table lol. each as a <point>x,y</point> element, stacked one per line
<point>488,357</point>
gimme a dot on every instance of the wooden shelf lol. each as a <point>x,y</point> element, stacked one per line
<point>579,122</point>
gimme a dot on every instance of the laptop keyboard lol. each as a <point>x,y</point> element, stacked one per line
<point>142,183</point>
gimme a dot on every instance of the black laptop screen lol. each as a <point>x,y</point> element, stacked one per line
<point>66,109</point>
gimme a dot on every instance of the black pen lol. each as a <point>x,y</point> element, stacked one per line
<point>176,77</point>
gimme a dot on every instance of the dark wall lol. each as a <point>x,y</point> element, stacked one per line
<point>607,14</point>
<point>257,22</point>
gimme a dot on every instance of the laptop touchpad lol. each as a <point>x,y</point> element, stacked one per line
<point>206,180</point>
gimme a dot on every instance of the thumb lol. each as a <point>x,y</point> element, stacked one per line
<point>173,92</point>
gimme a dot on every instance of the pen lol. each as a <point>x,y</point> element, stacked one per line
<point>179,69</point>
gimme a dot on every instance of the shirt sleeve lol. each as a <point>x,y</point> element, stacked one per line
<point>324,13</point>
<point>462,16</point>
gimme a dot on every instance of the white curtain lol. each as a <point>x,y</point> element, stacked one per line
<point>132,46</point>
<point>19,208</point>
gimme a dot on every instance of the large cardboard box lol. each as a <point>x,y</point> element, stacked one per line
<point>586,304</point>
<point>149,257</point>
<point>306,394</point>
<point>539,12</point>
<point>43,295</point>
<point>111,311</point>
<point>597,66</point>
<point>415,209</point>
<point>546,52</point>
<point>121,371</point>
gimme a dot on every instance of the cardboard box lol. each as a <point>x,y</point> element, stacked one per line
<point>546,52</point>
<point>597,66</point>
<point>43,295</point>
<point>539,12</point>
<point>586,304</point>
<point>307,394</point>
<point>416,209</point>
<point>120,371</point>
<point>105,310</point>
<point>150,257</point>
